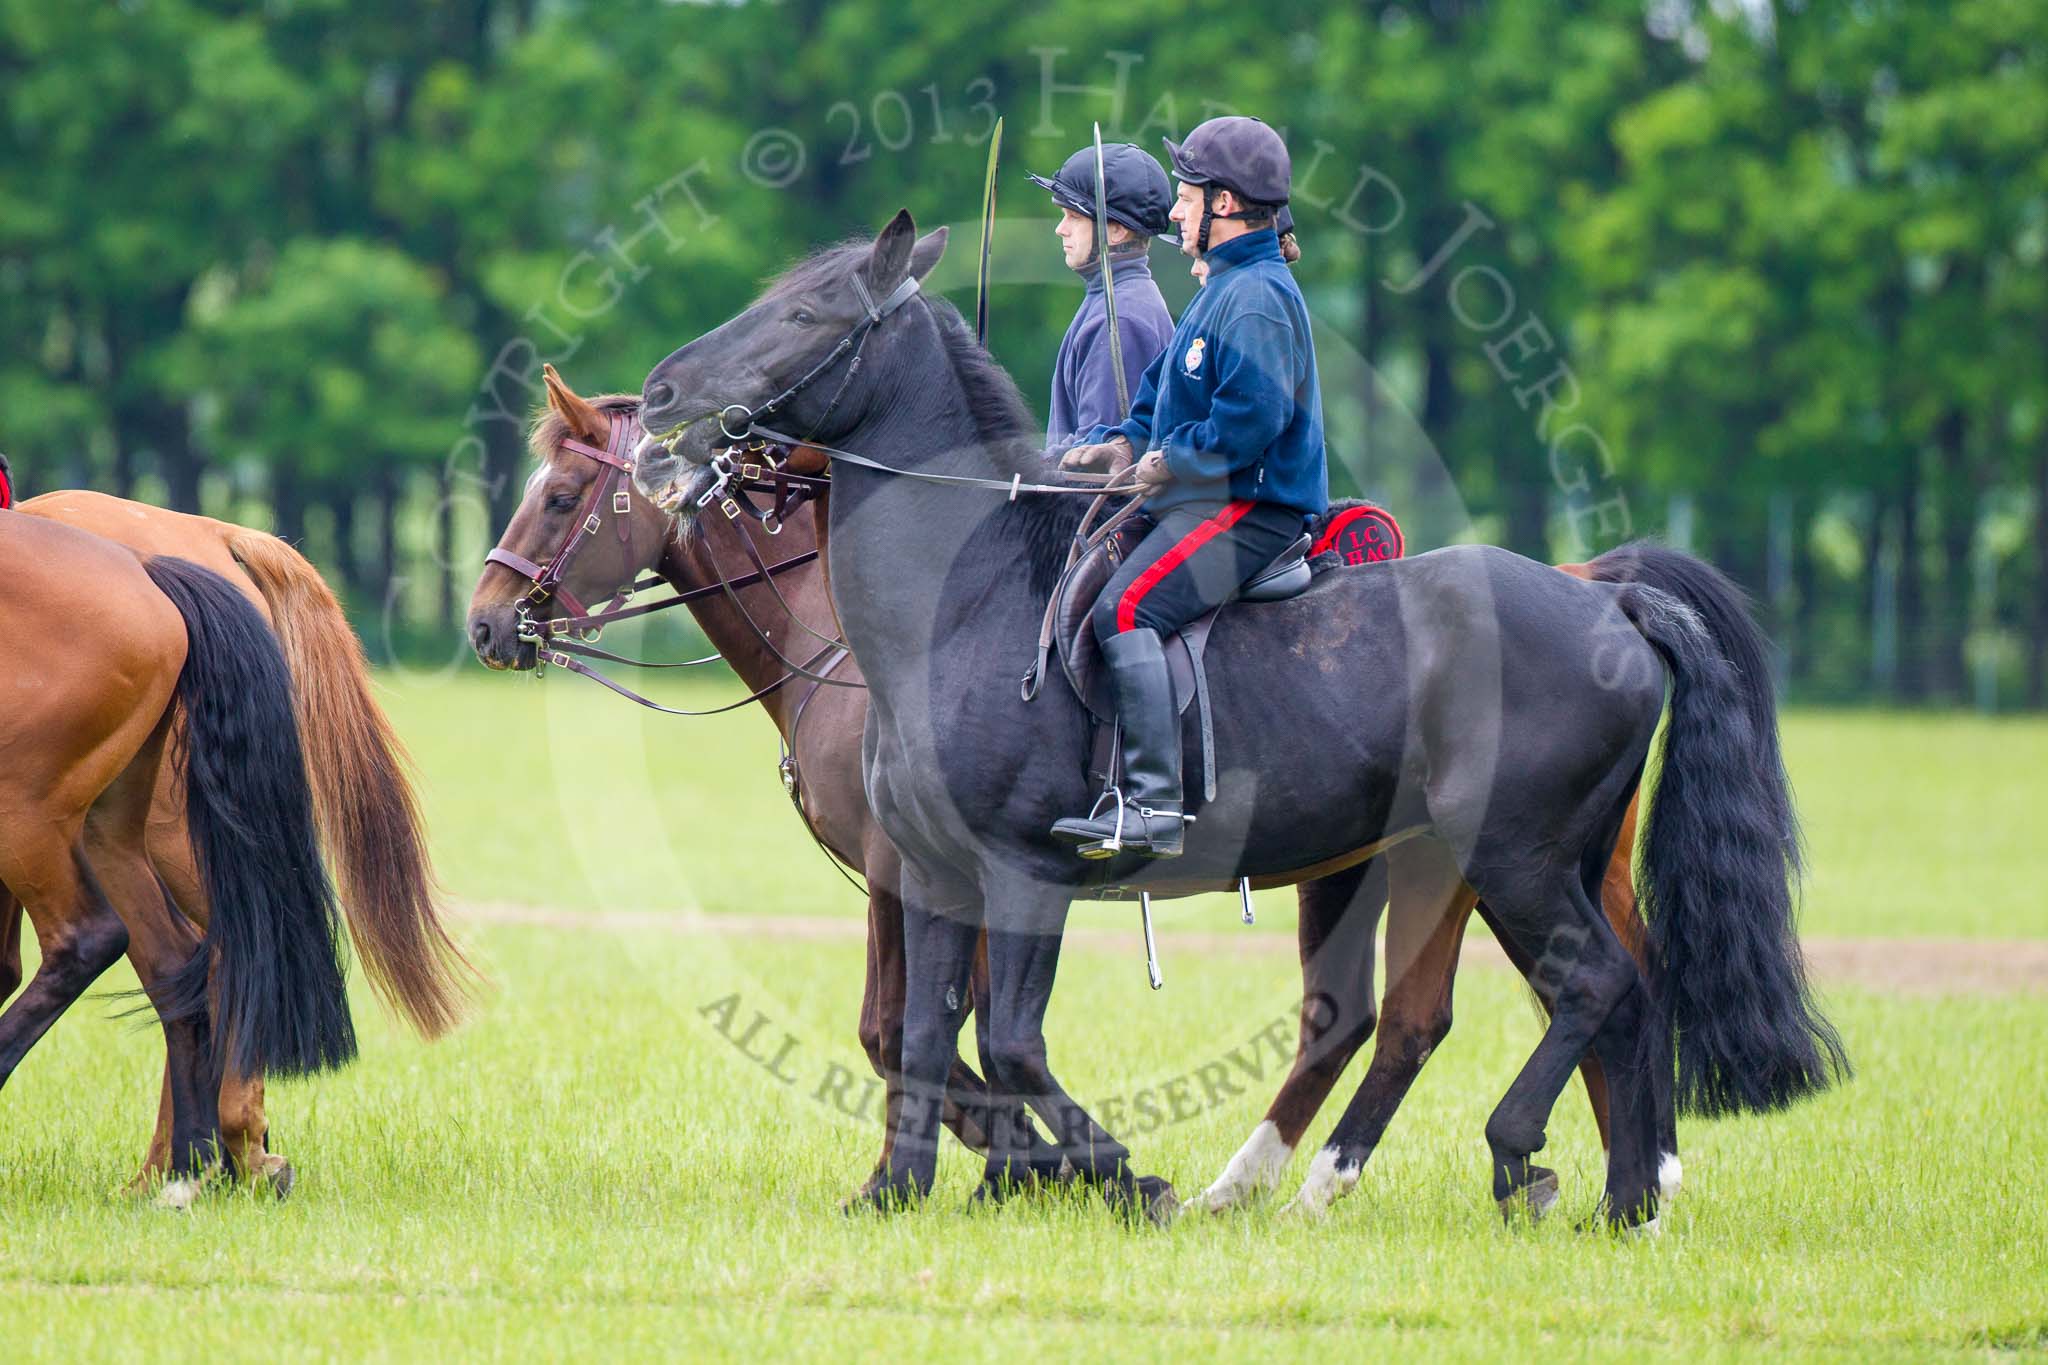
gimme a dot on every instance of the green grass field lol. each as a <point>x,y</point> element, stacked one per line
<point>593,1167</point>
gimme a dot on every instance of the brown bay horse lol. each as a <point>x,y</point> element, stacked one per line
<point>113,662</point>
<point>822,725</point>
<point>362,799</point>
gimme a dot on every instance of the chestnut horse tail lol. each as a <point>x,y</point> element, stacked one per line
<point>364,800</point>
<point>267,977</point>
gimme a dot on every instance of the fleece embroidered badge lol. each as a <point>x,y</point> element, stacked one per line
<point>1192,361</point>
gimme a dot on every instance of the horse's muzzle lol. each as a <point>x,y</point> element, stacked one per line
<point>494,635</point>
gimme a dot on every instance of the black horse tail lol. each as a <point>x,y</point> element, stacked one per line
<point>269,973</point>
<point>1720,866</point>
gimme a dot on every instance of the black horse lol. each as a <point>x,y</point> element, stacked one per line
<point>1468,697</point>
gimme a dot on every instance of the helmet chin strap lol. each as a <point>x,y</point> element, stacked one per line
<point>1209,215</point>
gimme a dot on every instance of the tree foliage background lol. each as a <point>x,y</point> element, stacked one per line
<point>1765,278</point>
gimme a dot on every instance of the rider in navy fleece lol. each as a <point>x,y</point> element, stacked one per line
<point>1234,403</point>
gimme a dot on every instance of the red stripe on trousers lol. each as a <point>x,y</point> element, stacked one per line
<point>1183,549</point>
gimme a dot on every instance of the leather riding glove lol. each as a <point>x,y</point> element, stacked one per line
<point>1112,455</point>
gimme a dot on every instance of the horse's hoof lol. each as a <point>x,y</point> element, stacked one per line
<point>882,1199</point>
<point>1150,1197</point>
<point>865,1193</point>
<point>1536,1197</point>
<point>992,1193</point>
<point>1253,1172</point>
<point>177,1195</point>
<point>277,1173</point>
<point>1650,1230</point>
<point>1330,1177</point>
<point>1156,1197</point>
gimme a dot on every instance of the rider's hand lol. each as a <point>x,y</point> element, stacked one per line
<point>1113,455</point>
<point>1152,473</point>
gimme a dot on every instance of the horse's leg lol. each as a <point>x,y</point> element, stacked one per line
<point>79,936</point>
<point>1584,974</point>
<point>1618,900</point>
<point>1339,915</point>
<point>244,1128</point>
<point>10,944</point>
<point>1589,1065</point>
<point>1023,960</point>
<point>881,1014</point>
<point>159,942</point>
<point>1428,906</point>
<point>881,1019</point>
<point>157,1160</point>
<point>939,936</point>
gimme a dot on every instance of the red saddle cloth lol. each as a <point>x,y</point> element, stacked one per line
<point>6,486</point>
<point>1360,533</point>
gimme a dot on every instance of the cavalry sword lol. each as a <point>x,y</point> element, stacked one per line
<point>1116,345</point>
<point>988,234</point>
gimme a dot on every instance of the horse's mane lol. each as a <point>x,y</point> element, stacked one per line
<point>1041,526</point>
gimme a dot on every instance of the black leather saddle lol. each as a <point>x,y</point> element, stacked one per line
<point>1081,655</point>
<point>1351,533</point>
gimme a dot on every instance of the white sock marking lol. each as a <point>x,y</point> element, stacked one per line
<point>1670,1175</point>
<point>1256,1167</point>
<point>178,1194</point>
<point>1327,1182</point>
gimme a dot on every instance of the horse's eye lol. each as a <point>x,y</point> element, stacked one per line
<point>802,317</point>
<point>563,502</point>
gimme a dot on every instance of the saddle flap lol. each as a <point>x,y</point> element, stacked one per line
<point>1287,576</point>
<point>1074,635</point>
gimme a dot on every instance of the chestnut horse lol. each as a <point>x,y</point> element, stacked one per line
<point>362,798</point>
<point>111,660</point>
<point>821,727</point>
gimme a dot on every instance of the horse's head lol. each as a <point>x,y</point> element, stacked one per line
<point>803,359</point>
<point>580,534</point>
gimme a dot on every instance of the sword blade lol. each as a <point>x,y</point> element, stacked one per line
<point>1116,344</point>
<point>988,234</point>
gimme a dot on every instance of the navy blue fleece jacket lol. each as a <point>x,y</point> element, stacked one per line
<point>1234,402</point>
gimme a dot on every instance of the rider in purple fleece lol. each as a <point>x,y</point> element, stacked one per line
<point>1083,380</point>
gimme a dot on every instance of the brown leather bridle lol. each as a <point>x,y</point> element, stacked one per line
<point>616,483</point>
<point>557,640</point>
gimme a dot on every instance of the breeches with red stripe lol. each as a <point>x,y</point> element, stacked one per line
<point>1193,559</point>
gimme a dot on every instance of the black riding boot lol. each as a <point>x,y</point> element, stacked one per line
<point>1152,821</point>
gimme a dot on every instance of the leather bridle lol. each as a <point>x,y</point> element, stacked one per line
<point>559,640</point>
<point>614,484</point>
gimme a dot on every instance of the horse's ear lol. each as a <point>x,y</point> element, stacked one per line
<point>890,259</point>
<point>586,423</point>
<point>926,253</point>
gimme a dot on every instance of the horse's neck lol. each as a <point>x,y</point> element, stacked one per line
<point>913,573</point>
<point>695,566</point>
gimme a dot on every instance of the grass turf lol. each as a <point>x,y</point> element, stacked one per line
<point>595,1165</point>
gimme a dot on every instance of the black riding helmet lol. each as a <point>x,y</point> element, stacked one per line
<point>1240,154</point>
<point>1139,196</point>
